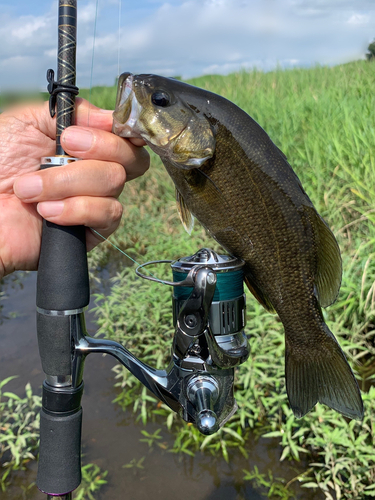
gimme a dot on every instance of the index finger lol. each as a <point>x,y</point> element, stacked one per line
<point>38,116</point>
<point>88,115</point>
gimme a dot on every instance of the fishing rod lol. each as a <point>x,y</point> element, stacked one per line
<point>62,294</point>
<point>208,315</point>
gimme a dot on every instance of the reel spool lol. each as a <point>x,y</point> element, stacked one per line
<point>227,312</point>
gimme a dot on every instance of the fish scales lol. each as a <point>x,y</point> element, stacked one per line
<point>240,186</point>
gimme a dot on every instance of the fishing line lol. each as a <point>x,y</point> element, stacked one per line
<point>119,39</point>
<point>126,255</point>
<point>92,61</point>
<point>88,121</point>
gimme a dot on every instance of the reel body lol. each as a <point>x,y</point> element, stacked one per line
<point>209,341</point>
<point>209,318</point>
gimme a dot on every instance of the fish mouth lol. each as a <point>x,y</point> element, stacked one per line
<point>127,111</point>
<point>127,90</point>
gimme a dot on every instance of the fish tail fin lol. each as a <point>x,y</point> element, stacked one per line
<point>321,373</point>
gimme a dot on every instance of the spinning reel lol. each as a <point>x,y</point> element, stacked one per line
<point>209,341</point>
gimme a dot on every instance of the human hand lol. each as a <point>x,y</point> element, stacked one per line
<point>80,193</point>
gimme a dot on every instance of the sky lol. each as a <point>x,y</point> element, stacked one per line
<point>182,38</point>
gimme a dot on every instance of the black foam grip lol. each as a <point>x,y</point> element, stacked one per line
<point>54,344</point>
<point>63,281</point>
<point>59,467</point>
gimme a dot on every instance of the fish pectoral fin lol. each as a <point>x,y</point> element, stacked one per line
<point>329,268</point>
<point>259,294</point>
<point>321,373</point>
<point>187,218</point>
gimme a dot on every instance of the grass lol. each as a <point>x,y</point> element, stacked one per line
<point>19,436</point>
<point>322,118</point>
<point>19,444</point>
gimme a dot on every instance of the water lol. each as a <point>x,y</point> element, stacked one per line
<point>111,436</point>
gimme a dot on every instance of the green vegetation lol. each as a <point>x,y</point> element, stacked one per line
<point>322,118</point>
<point>92,480</point>
<point>274,487</point>
<point>19,424</point>
<point>370,55</point>
<point>19,443</point>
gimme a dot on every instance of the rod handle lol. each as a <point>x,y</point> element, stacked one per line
<point>63,280</point>
<point>59,469</point>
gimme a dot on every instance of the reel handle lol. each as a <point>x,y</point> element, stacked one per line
<point>203,392</point>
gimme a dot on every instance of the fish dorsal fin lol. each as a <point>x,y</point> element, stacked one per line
<point>258,294</point>
<point>186,216</point>
<point>329,268</point>
<point>282,153</point>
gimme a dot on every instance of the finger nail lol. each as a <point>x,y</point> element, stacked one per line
<point>50,208</point>
<point>77,139</point>
<point>28,186</point>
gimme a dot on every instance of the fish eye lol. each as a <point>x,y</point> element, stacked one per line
<point>160,98</point>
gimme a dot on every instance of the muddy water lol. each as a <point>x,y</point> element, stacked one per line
<point>111,436</point>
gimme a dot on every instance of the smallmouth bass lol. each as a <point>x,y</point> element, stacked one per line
<point>240,186</point>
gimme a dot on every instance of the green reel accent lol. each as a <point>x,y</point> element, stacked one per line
<point>229,285</point>
<point>227,314</point>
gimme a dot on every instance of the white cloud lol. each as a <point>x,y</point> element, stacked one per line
<point>28,29</point>
<point>196,37</point>
<point>51,53</point>
<point>87,13</point>
<point>359,19</point>
<point>263,64</point>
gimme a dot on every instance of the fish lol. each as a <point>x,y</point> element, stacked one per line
<point>240,186</point>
